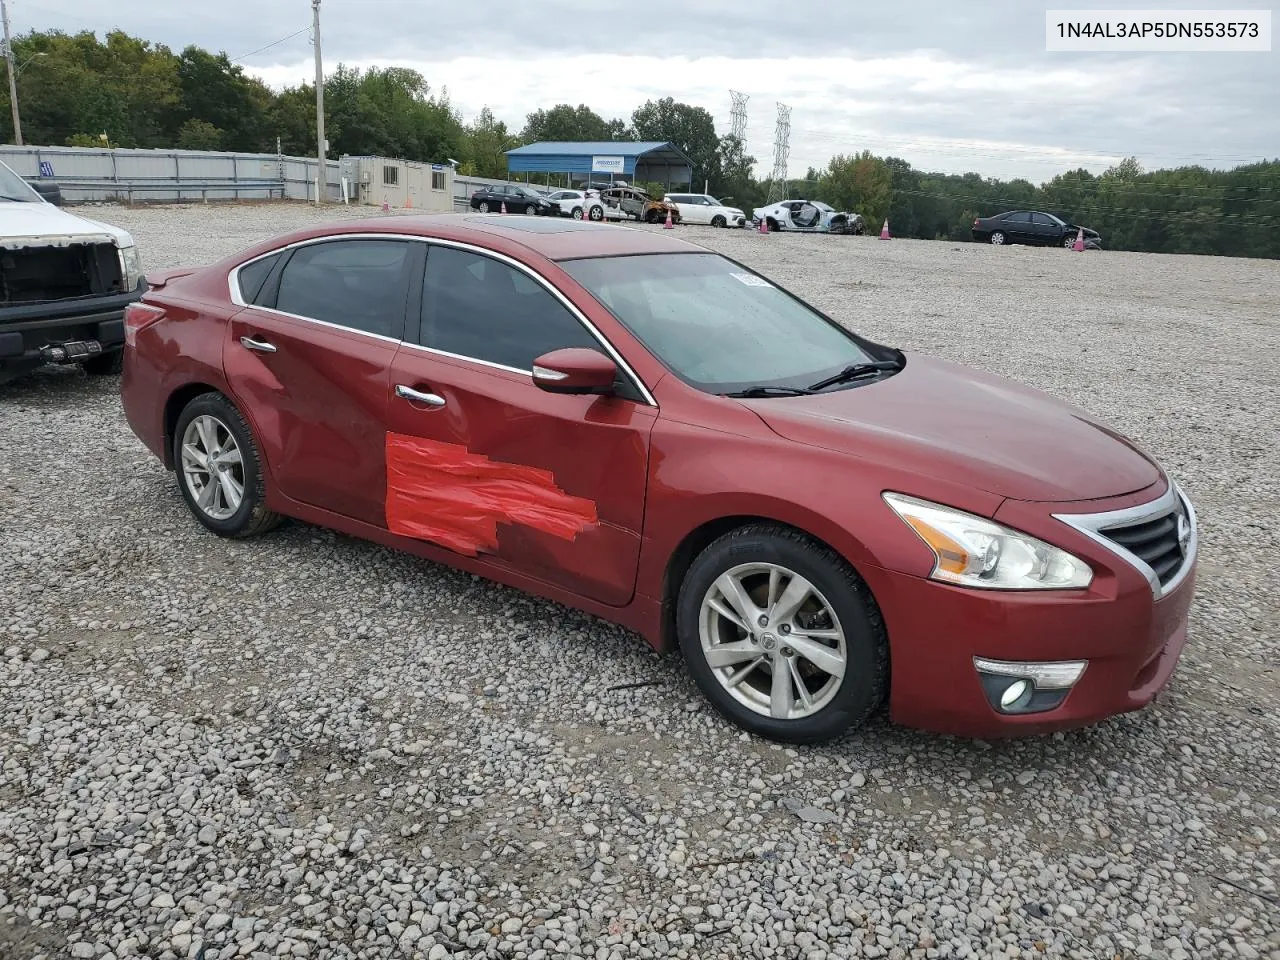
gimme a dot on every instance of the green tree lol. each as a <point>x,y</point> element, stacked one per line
<point>199,135</point>
<point>567,123</point>
<point>485,142</point>
<point>689,128</point>
<point>860,183</point>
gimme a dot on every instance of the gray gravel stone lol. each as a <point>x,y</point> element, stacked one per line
<point>296,745</point>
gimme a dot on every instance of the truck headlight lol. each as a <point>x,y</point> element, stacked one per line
<point>130,267</point>
<point>971,551</point>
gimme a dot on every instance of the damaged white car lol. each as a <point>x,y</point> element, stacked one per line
<point>64,284</point>
<point>809,216</point>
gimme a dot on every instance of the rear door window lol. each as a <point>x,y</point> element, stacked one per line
<point>359,284</point>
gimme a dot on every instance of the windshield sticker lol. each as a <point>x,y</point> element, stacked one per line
<point>751,280</point>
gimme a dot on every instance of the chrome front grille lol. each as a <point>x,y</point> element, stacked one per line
<point>1159,538</point>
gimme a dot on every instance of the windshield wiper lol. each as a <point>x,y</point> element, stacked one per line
<point>768,391</point>
<point>854,371</point>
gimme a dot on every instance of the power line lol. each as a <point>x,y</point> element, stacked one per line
<point>273,43</point>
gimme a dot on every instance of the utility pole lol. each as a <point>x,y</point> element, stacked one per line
<point>322,177</point>
<point>13,74</point>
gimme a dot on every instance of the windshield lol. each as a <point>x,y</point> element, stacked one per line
<point>13,187</point>
<point>716,325</point>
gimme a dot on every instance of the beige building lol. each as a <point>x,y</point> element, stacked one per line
<point>400,184</point>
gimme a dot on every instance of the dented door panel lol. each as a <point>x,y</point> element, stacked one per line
<point>548,484</point>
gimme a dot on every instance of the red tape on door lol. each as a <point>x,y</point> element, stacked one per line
<point>443,493</point>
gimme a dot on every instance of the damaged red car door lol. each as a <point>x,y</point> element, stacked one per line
<point>482,461</point>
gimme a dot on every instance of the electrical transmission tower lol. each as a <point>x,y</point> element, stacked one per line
<point>739,115</point>
<point>781,148</point>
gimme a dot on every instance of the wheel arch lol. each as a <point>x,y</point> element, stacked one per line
<point>173,407</point>
<point>703,535</point>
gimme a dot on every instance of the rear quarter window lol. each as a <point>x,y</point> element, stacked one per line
<point>253,275</point>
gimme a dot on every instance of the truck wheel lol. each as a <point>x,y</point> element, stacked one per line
<point>219,470</point>
<point>104,364</point>
<point>782,636</point>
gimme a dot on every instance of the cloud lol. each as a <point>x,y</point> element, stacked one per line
<point>947,86</point>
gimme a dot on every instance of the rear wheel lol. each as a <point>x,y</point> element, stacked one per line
<point>597,214</point>
<point>219,470</point>
<point>997,238</point>
<point>782,636</point>
<point>718,221</point>
<point>104,364</point>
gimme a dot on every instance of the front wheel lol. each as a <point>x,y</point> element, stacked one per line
<point>484,206</point>
<point>219,470</point>
<point>577,213</point>
<point>782,636</point>
<point>530,210</point>
<point>997,238</point>
<point>718,221</point>
<point>1069,242</point>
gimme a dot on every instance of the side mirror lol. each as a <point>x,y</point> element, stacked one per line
<point>575,370</point>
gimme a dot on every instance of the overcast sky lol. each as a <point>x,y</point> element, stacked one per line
<point>947,85</point>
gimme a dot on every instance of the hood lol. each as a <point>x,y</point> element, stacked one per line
<point>44,225</point>
<point>964,426</point>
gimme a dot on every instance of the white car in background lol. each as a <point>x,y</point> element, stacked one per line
<point>567,200</point>
<point>704,208</point>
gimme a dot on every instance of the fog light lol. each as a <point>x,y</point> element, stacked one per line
<point>1028,686</point>
<point>1013,693</point>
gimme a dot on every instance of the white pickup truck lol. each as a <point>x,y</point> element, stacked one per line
<point>64,284</point>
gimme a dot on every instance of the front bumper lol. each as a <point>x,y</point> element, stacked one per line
<point>26,331</point>
<point>1131,640</point>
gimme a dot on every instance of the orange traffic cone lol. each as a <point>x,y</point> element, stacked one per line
<point>764,225</point>
<point>504,206</point>
<point>386,207</point>
<point>1078,246</point>
<point>884,231</point>
<point>668,225</point>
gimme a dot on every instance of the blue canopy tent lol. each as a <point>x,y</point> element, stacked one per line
<point>650,161</point>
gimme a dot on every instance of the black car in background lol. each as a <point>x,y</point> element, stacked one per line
<point>518,199</point>
<point>1031,227</point>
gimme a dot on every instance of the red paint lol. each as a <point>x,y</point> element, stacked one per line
<point>440,492</point>
<point>499,480</point>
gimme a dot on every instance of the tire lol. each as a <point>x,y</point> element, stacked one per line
<point>651,216</point>
<point>484,206</point>
<point>1069,242</point>
<point>213,415</point>
<point>530,210</point>
<point>772,224</point>
<point>577,213</point>
<point>997,238</point>
<point>105,364</point>
<point>718,221</point>
<point>837,602</point>
<point>596,214</point>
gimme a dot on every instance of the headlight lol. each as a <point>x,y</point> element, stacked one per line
<point>131,267</point>
<point>973,552</point>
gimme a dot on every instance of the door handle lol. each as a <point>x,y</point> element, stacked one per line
<point>260,345</point>
<point>408,393</point>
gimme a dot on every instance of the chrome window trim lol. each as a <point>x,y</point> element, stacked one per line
<point>1092,526</point>
<point>233,283</point>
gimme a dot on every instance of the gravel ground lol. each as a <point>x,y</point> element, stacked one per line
<point>307,745</point>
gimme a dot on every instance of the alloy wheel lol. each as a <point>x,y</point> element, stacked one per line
<point>997,238</point>
<point>772,640</point>
<point>213,467</point>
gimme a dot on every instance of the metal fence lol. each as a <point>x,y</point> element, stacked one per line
<point>88,174</point>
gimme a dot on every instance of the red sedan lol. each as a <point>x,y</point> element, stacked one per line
<point>656,434</point>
